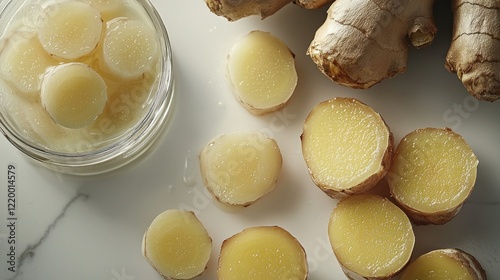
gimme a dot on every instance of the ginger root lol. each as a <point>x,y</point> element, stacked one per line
<point>474,53</point>
<point>237,9</point>
<point>363,42</point>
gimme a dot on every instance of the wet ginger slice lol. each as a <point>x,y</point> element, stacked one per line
<point>23,61</point>
<point>261,70</point>
<point>440,264</point>
<point>433,173</point>
<point>239,168</point>
<point>130,48</point>
<point>347,146</point>
<point>70,30</point>
<point>371,237</point>
<point>177,245</point>
<point>263,252</point>
<point>74,95</point>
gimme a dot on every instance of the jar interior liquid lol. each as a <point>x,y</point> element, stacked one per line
<point>53,56</point>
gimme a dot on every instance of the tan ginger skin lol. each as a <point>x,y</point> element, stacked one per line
<point>363,42</point>
<point>357,50</point>
<point>474,53</point>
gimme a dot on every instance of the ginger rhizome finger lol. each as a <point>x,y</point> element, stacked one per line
<point>363,42</point>
<point>237,9</point>
<point>474,53</point>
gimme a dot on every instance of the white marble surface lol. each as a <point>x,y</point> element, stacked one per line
<point>91,228</point>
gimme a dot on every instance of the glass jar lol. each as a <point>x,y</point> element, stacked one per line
<point>136,113</point>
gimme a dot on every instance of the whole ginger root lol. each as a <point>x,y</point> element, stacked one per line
<point>363,42</point>
<point>474,53</point>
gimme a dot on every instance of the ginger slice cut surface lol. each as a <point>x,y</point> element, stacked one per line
<point>441,264</point>
<point>265,252</point>
<point>177,245</point>
<point>347,146</point>
<point>261,70</point>
<point>74,95</point>
<point>371,237</point>
<point>433,173</point>
<point>239,168</point>
<point>23,61</point>
<point>70,30</point>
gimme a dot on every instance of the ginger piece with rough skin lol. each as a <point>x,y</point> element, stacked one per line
<point>312,4</point>
<point>433,173</point>
<point>347,147</point>
<point>262,252</point>
<point>363,42</point>
<point>237,9</point>
<point>371,237</point>
<point>441,264</point>
<point>474,53</point>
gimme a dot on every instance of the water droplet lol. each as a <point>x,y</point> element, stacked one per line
<point>189,170</point>
<point>221,104</point>
<point>170,188</point>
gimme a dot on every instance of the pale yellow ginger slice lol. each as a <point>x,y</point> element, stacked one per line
<point>261,70</point>
<point>74,95</point>
<point>237,9</point>
<point>240,167</point>
<point>441,264</point>
<point>130,48</point>
<point>347,146</point>
<point>262,252</point>
<point>23,61</point>
<point>177,245</point>
<point>371,237</point>
<point>108,8</point>
<point>70,30</point>
<point>433,173</point>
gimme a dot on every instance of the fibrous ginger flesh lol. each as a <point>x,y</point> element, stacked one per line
<point>70,30</point>
<point>239,168</point>
<point>262,71</point>
<point>262,253</point>
<point>370,235</point>
<point>344,143</point>
<point>177,244</point>
<point>74,95</point>
<point>437,265</point>
<point>130,48</point>
<point>434,170</point>
<point>23,61</point>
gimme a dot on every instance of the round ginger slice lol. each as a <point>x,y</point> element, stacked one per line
<point>347,146</point>
<point>263,252</point>
<point>74,95</point>
<point>441,264</point>
<point>371,237</point>
<point>70,30</point>
<point>177,245</point>
<point>261,70</point>
<point>130,48</point>
<point>433,173</point>
<point>240,167</point>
